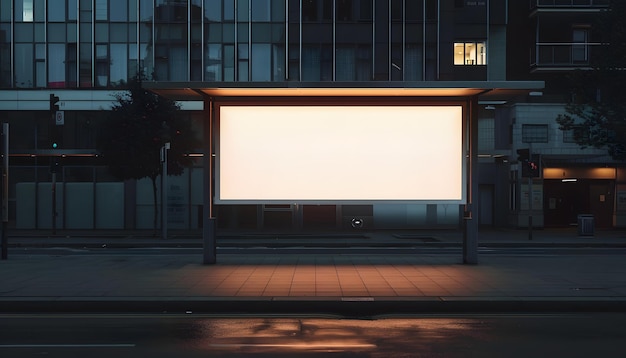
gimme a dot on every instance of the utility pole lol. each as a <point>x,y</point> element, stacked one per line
<point>530,168</point>
<point>54,160</point>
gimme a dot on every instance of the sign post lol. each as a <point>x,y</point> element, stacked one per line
<point>164,190</point>
<point>530,196</point>
<point>59,118</point>
<point>55,135</point>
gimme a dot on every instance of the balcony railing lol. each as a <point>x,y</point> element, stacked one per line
<point>555,55</point>
<point>568,3</point>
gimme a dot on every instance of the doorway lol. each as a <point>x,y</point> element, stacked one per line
<point>565,200</point>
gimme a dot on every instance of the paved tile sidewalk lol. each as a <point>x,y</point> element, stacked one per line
<point>328,283</point>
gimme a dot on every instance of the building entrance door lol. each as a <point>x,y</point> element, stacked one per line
<point>601,203</point>
<point>565,200</point>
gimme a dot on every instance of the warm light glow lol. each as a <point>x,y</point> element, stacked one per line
<point>313,154</point>
<point>339,92</point>
<point>603,173</point>
<point>579,173</point>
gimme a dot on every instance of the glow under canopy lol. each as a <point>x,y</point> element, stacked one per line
<point>340,154</point>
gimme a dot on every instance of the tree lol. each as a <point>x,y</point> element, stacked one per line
<point>596,111</point>
<point>141,122</point>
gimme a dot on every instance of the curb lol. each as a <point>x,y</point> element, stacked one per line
<point>265,244</point>
<point>354,307</point>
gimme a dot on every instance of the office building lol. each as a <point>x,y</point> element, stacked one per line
<point>561,38</point>
<point>369,51</point>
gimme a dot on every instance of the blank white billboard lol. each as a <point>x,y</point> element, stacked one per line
<point>340,154</point>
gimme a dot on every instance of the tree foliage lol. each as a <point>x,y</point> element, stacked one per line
<point>141,122</point>
<point>596,111</point>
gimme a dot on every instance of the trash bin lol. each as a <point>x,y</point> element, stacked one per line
<point>585,225</point>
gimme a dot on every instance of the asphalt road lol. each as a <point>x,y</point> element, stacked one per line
<point>518,335</point>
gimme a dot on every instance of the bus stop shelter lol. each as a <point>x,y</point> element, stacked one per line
<point>352,114</point>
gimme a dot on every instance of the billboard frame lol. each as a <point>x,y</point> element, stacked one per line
<point>341,102</point>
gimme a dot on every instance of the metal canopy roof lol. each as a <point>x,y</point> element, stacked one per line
<point>486,90</point>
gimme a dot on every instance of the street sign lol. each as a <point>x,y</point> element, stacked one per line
<point>59,118</point>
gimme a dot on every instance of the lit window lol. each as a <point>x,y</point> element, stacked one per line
<point>470,53</point>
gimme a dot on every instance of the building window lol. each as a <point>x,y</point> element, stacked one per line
<point>569,136</point>
<point>102,65</point>
<point>486,134</point>
<point>56,65</point>
<point>470,53</point>
<point>316,10</point>
<point>535,133</point>
<point>261,64</point>
<point>24,11</point>
<point>580,48</point>
<point>352,63</point>
<point>102,11</point>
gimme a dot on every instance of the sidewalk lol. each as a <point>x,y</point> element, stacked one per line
<point>345,284</point>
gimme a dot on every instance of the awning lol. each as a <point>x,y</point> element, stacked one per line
<point>485,90</point>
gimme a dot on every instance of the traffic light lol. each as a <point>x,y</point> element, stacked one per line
<point>531,164</point>
<point>531,168</point>
<point>55,130</point>
<point>55,137</point>
<point>54,100</point>
<point>534,166</point>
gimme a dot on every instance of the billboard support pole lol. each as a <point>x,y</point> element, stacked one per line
<point>208,218</point>
<point>470,234</point>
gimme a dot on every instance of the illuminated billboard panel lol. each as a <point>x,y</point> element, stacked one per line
<point>340,154</point>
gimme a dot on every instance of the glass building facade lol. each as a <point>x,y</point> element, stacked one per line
<point>85,51</point>
<point>103,43</point>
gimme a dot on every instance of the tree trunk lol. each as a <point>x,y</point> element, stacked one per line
<point>156,207</point>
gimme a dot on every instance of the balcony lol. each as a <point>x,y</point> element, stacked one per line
<point>562,56</point>
<point>563,4</point>
<point>574,7</point>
